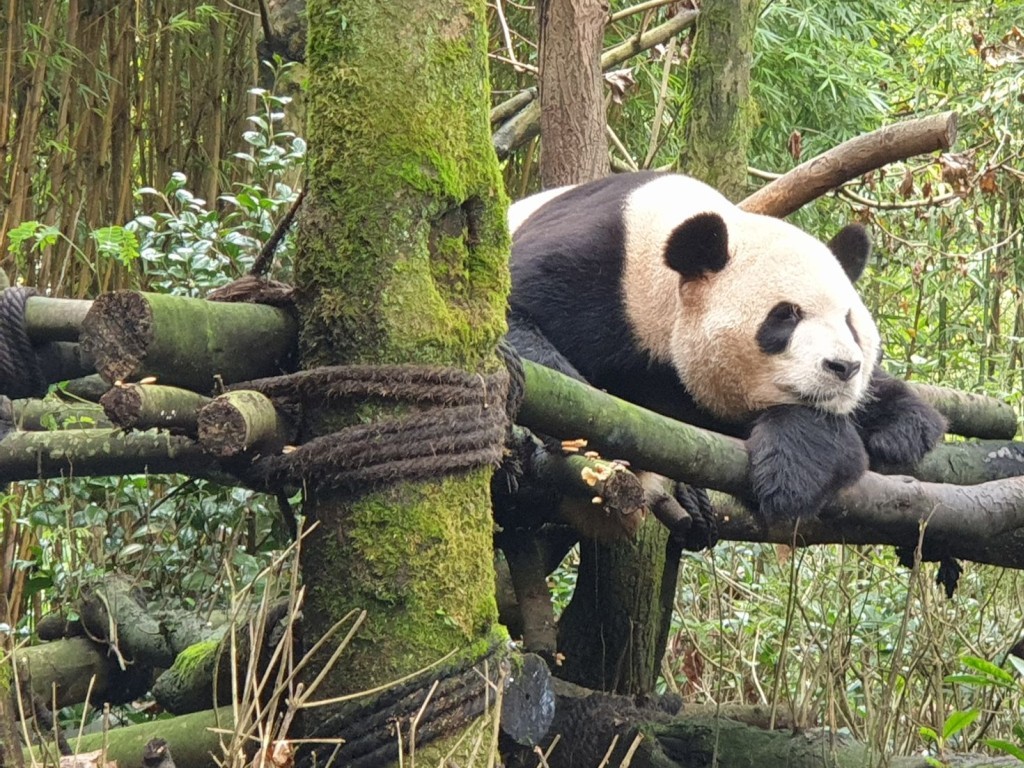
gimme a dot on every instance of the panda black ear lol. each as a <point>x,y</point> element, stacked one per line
<point>698,246</point>
<point>852,247</point>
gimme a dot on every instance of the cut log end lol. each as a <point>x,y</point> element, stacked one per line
<point>223,430</point>
<point>116,332</point>
<point>122,406</point>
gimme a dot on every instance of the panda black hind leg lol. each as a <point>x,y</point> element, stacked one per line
<point>799,458</point>
<point>897,427</point>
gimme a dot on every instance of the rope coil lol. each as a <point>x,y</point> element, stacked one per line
<point>20,372</point>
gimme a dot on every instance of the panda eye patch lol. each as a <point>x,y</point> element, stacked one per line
<point>777,327</point>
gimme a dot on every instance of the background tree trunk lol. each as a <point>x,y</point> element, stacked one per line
<point>613,636</point>
<point>717,128</point>
<point>572,118</point>
<point>402,259</point>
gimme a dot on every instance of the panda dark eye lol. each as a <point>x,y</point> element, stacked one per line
<point>786,312</point>
<point>777,328</point>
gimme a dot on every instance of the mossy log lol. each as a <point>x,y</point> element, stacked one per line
<point>189,343</point>
<point>98,452</point>
<point>983,522</point>
<point>116,611</point>
<point>153,406</point>
<point>195,741</point>
<point>78,667</point>
<point>54,413</point>
<point>971,415</point>
<point>240,421</point>
<point>599,728</point>
<point>49,319</point>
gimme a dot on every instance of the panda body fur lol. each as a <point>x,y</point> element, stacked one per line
<point>656,288</point>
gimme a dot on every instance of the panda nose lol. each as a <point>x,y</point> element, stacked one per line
<point>844,370</point>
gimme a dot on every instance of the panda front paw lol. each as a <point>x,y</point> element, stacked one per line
<point>897,427</point>
<point>906,438</point>
<point>799,459</point>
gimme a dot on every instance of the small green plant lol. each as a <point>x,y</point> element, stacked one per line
<point>189,248</point>
<point>986,677</point>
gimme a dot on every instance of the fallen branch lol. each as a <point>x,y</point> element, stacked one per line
<point>98,452</point>
<point>852,158</point>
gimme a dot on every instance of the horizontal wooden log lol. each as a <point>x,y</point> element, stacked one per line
<point>240,421</point>
<point>188,343</point>
<point>54,413</point>
<point>983,522</point>
<point>49,319</point>
<point>153,406</point>
<point>98,452</point>
<point>971,415</point>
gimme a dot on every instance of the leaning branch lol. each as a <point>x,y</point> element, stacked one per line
<point>851,159</point>
<point>984,522</point>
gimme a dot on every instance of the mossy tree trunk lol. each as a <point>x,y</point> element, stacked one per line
<point>717,128</point>
<point>402,259</point>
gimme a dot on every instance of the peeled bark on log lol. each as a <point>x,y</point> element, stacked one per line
<point>54,413</point>
<point>968,463</point>
<point>849,160</point>
<point>49,319</point>
<point>98,452</point>
<point>971,415</point>
<point>153,406</point>
<point>185,342</point>
<point>984,522</point>
<point>240,421</point>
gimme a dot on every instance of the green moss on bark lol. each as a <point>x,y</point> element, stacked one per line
<point>401,156</point>
<point>403,259</point>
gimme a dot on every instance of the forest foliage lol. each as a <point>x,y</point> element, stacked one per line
<point>145,145</point>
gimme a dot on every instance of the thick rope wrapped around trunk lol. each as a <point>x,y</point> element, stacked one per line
<point>459,424</point>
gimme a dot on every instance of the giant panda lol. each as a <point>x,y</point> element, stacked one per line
<point>656,288</point>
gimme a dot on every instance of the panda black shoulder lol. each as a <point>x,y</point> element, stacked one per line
<point>567,266</point>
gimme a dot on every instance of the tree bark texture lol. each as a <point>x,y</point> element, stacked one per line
<point>572,115</point>
<point>613,632</point>
<point>717,127</point>
<point>402,259</point>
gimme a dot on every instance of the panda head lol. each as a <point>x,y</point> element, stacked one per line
<point>768,315</point>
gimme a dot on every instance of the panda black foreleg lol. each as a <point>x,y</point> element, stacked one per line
<point>897,427</point>
<point>799,458</point>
